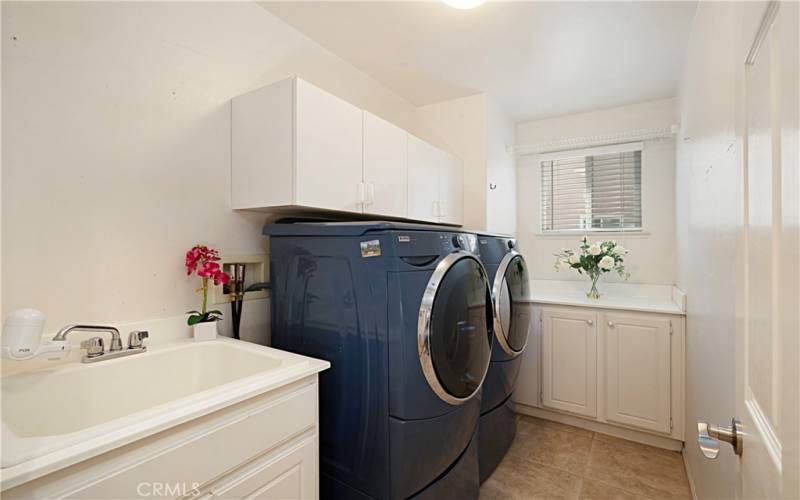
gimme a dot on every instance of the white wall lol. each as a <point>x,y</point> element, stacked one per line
<point>652,257</point>
<point>501,171</point>
<point>459,126</point>
<point>116,157</point>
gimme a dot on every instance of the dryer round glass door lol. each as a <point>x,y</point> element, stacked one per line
<point>512,312</point>
<point>454,331</point>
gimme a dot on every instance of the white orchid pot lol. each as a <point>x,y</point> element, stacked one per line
<point>206,330</point>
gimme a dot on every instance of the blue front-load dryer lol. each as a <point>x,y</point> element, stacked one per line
<point>508,275</point>
<point>404,315</point>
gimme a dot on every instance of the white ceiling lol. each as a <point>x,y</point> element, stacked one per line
<point>537,59</point>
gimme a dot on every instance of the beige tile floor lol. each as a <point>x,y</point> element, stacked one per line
<point>549,460</point>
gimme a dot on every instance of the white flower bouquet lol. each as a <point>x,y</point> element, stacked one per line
<point>594,259</point>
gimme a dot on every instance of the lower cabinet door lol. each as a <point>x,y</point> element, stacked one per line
<point>638,370</point>
<point>569,360</point>
<point>286,474</point>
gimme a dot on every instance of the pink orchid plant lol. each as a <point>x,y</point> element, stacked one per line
<point>205,262</point>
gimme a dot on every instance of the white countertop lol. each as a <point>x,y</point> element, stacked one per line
<point>665,299</point>
<point>28,456</point>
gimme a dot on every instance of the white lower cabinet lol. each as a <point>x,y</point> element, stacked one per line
<point>569,361</point>
<point>287,474</point>
<point>263,447</point>
<point>620,368</point>
<point>637,370</point>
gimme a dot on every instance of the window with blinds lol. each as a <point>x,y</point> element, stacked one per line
<point>592,192</point>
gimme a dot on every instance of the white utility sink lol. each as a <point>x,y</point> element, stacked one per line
<point>70,412</point>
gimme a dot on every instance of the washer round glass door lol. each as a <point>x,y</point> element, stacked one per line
<point>512,313</point>
<point>454,333</point>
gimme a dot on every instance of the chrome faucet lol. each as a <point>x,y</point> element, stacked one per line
<point>116,340</point>
<point>95,347</point>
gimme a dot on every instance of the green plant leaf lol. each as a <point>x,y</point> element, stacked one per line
<point>194,319</point>
<point>215,311</point>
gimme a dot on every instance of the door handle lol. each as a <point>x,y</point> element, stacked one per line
<point>360,193</point>
<point>589,322</point>
<point>709,436</point>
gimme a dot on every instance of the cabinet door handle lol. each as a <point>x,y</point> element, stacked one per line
<point>360,193</point>
<point>610,324</point>
<point>589,322</point>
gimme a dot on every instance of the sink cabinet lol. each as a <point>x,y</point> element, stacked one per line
<point>262,447</point>
<point>606,369</point>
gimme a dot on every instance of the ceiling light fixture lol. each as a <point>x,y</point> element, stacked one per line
<point>464,4</point>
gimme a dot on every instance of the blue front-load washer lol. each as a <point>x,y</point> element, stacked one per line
<point>403,313</point>
<point>508,275</point>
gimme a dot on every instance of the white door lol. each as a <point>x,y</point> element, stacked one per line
<point>638,370</point>
<point>451,189</point>
<point>767,340</point>
<point>385,167</point>
<point>423,180</point>
<point>569,360</point>
<point>329,139</point>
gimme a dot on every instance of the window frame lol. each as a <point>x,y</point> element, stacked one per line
<point>582,153</point>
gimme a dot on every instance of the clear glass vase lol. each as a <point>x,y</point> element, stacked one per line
<point>593,293</point>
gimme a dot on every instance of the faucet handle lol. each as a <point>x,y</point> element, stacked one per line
<point>136,339</point>
<point>94,347</point>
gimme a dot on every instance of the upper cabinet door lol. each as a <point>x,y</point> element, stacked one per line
<point>329,149</point>
<point>638,370</point>
<point>423,180</point>
<point>569,360</point>
<point>385,167</point>
<point>451,189</point>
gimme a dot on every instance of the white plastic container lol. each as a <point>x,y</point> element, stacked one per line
<point>22,333</point>
<point>206,330</point>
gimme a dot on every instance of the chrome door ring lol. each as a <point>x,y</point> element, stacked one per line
<point>497,288</point>
<point>424,326</point>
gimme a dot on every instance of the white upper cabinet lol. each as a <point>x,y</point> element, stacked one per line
<point>569,360</point>
<point>638,370</point>
<point>435,184</point>
<point>385,167</point>
<point>329,150</point>
<point>295,145</point>
<point>451,190</point>
<point>423,180</point>
<point>262,147</point>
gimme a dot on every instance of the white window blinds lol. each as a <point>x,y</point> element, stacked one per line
<point>598,190</point>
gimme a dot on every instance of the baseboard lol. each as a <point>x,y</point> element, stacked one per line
<point>689,474</point>
<point>601,427</point>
